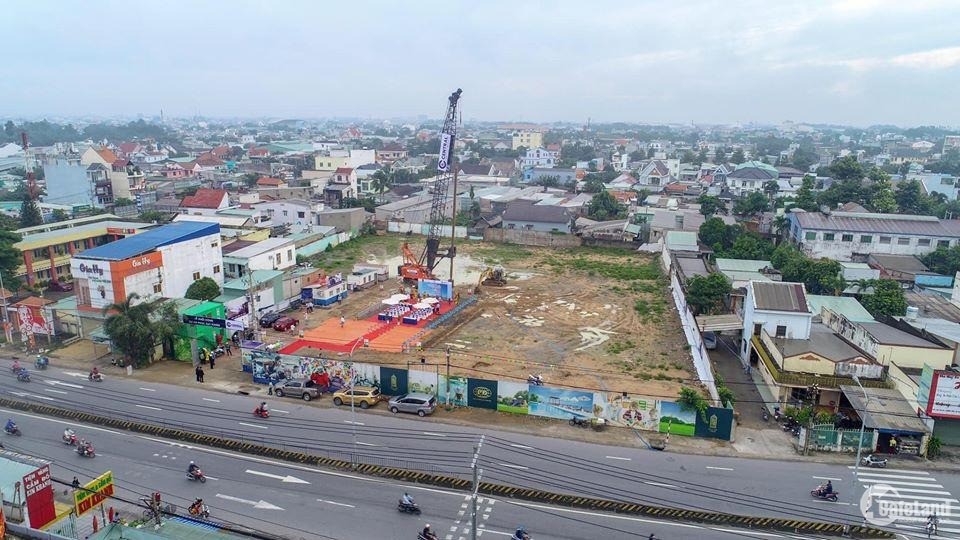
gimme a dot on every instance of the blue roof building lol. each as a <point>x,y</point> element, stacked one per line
<point>146,242</point>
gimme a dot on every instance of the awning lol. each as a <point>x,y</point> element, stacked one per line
<point>719,323</point>
<point>885,410</point>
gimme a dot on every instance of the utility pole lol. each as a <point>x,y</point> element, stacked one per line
<point>475,465</point>
<point>250,295</point>
<point>814,394</point>
<point>448,368</point>
<point>7,331</point>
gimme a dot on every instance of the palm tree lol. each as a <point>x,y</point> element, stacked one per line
<point>130,329</point>
<point>382,181</point>
<point>781,224</point>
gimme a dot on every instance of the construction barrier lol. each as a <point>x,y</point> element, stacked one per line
<point>486,488</point>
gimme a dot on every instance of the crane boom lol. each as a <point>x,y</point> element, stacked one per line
<point>447,171</point>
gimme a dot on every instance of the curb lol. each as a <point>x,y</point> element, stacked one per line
<point>486,488</point>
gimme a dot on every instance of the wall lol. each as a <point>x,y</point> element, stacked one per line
<point>423,228</point>
<point>330,163</point>
<point>839,250</point>
<point>701,358</point>
<point>807,363</point>
<point>535,226</point>
<point>182,259</point>
<point>913,357</point>
<point>531,238</point>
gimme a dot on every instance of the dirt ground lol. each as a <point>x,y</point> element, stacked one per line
<point>589,318</point>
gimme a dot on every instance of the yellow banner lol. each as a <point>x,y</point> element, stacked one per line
<point>94,493</point>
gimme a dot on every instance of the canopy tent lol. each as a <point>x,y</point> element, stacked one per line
<point>431,300</point>
<point>885,410</point>
<point>396,299</point>
<point>421,305</point>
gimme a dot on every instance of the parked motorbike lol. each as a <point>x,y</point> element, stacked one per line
<point>776,414</point>
<point>408,508</point>
<point>579,422</point>
<point>15,430</point>
<point>86,450</point>
<point>23,375</point>
<point>873,461</point>
<point>818,493</point>
<point>198,476</point>
<point>536,380</point>
<point>765,414</point>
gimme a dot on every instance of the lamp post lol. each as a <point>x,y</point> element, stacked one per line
<point>353,417</point>
<point>866,404</point>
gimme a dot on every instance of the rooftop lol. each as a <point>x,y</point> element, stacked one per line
<point>884,409</point>
<point>822,342</point>
<point>204,198</point>
<point>259,277</point>
<point>888,335</point>
<point>778,296</point>
<point>88,230</point>
<point>940,328</point>
<point>842,305</point>
<point>858,222</point>
<point>144,242</point>
<point>261,247</point>
<point>682,241</point>
<point>523,210</point>
<point>899,263</point>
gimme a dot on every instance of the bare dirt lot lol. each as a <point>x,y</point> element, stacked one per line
<point>588,318</point>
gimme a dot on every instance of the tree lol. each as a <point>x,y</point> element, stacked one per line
<point>771,188</point>
<point>550,180</point>
<point>716,234</point>
<point>738,157</point>
<point>945,261</point>
<point>151,215</point>
<point>754,203</point>
<point>749,246</point>
<point>250,179</point>
<point>804,156</point>
<point>846,168</point>
<point>130,329</point>
<point>719,155</point>
<point>10,259</point>
<point>911,199</point>
<point>880,195</point>
<point>701,157</point>
<point>705,294</point>
<point>691,400</point>
<point>711,205</point>
<point>780,225</point>
<point>30,215</point>
<point>203,289</point>
<point>887,298</point>
<point>59,215</point>
<point>382,181</point>
<point>604,206</point>
<point>688,157</point>
<point>819,276</point>
<point>806,198</point>
<point>123,201</point>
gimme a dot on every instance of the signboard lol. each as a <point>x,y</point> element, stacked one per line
<point>94,493</point>
<point>140,263</point>
<point>33,320</point>
<point>39,494</point>
<point>199,320</point>
<point>99,280</point>
<point>482,393</point>
<point>120,230</point>
<point>234,324</point>
<point>944,395</point>
<point>3,524</point>
<point>443,162</point>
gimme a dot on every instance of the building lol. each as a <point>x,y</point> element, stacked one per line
<point>847,236</point>
<point>537,157</point>
<point>47,249</point>
<point>654,175</point>
<point>205,202</point>
<point>270,182</point>
<point>528,139</point>
<point>269,254</point>
<point>951,142</point>
<point>943,184</point>
<point>778,308</point>
<point>529,216</point>
<point>159,263</point>
<point>750,177</point>
<point>342,185</point>
<point>565,177</point>
<point>390,153</point>
<point>119,182</point>
<point>741,272</point>
<point>299,212</point>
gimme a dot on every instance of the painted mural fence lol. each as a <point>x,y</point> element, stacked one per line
<point>513,397</point>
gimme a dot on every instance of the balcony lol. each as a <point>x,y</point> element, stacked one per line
<point>803,380</point>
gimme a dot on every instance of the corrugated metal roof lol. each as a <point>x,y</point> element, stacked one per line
<point>742,265</point>
<point>144,242</point>
<point>878,223</point>
<point>777,296</point>
<point>884,409</point>
<point>843,305</point>
<point>682,241</point>
<point>888,335</point>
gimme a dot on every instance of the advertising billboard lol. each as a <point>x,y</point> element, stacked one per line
<point>99,279</point>
<point>39,493</point>
<point>944,401</point>
<point>93,493</point>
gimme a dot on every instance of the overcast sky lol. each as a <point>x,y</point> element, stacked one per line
<point>856,62</point>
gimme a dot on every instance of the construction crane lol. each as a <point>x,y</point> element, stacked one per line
<point>417,268</point>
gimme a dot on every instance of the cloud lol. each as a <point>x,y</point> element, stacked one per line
<point>933,59</point>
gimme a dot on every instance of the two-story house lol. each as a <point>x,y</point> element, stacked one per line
<point>750,177</point>
<point>205,202</point>
<point>270,254</point>
<point>390,153</point>
<point>537,157</point>
<point>528,139</point>
<point>654,175</point>
<point>528,216</point>
<point>342,185</point>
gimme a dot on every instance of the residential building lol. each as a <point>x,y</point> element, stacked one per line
<point>269,254</point>
<point>481,169</point>
<point>331,162</point>
<point>778,308</point>
<point>390,153</point>
<point>846,236</point>
<point>342,185</point>
<point>654,175</point>
<point>951,142</point>
<point>896,343</point>
<point>46,249</point>
<point>750,177</point>
<point>205,202</point>
<point>298,212</point>
<point>741,272</point>
<point>528,139</point>
<point>529,216</point>
<point>565,177</point>
<point>270,182</point>
<point>537,157</point>
<point>943,184</point>
<point>118,177</point>
<point>159,263</point>
<point>263,287</point>
<point>102,187</point>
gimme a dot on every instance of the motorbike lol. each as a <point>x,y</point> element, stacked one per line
<point>95,377</point>
<point>523,536</point>
<point>776,414</point>
<point>765,414</point>
<point>262,413</point>
<point>198,476</point>
<point>421,536</point>
<point>873,461</point>
<point>15,430</point>
<point>818,493</point>
<point>408,508</point>
<point>579,422</point>
<point>200,511</point>
<point>23,375</point>
<point>71,440</point>
<point>42,362</point>
<point>536,380</point>
<point>86,451</point>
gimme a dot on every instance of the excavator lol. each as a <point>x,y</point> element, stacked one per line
<point>494,276</point>
<point>416,268</point>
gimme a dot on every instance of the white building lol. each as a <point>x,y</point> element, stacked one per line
<point>269,254</point>
<point>844,235</point>
<point>778,308</point>
<point>297,212</point>
<point>537,157</point>
<point>750,177</point>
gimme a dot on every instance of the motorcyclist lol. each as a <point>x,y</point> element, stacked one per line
<point>68,435</point>
<point>84,447</point>
<point>196,507</point>
<point>16,366</point>
<point>428,533</point>
<point>262,409</point>
<point>95,373</point>
<point>11,425</point>
<point>827,489</point>
<point>192,469</point>
<point>407,500</point>
<point>521,534</point>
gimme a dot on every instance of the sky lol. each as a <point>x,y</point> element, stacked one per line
<point>853,62</point>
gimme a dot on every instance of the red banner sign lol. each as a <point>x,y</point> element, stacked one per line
<point>39,494</point>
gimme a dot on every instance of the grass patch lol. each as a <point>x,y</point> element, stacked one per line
<point>625,269</point>
<point>650,310</point>
<point>511,409</point>
<point>501,253</point>
<point>617,347</point>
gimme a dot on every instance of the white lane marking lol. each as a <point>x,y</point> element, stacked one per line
<point>720,468</point>
<point>620,458</point>
<point>51,390</point>
<point>897,476</point>
<point>658,484</point>
<point>71,385</point>
<point>354,423</point>
<point>261,504</point>
<point>336,503</point>
<point>252,425</point>
<point>35,396</point>
<point>827,478</point>
<point>149,407</point>
<point>285,479</point>
<point>927,491</point>
<point>62,422</point>
<point>522,446</point>
<point>908,471</point>
<point>213,400</point>
<point>741,532</point>
<point>509,466</point>
<point>211,477</point>
<point>147,389</point>
<point>74,374</point>
<point>280,411</point>
<point>366,444</point>
<point>898,483</point>
<point>831,502</point>
<point>434,434</point>
<point>600,515</point>
<point>946,500</point>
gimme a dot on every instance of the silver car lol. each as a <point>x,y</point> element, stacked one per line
<point>298,388</point>
<point>419,404</point>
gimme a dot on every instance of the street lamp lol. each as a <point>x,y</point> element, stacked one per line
<point>866,405</point>
<point>353,415</point>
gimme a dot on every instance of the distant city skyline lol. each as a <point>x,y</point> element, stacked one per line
<point>847,62</point>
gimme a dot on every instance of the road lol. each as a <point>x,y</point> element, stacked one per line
<point>744,486</point>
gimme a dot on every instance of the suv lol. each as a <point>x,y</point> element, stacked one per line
<point>419,404</point>
<point>267,320</point>
<point>284,323</point>
<point>363,396</point>
<point>301,388</point>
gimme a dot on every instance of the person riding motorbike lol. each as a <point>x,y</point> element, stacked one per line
<point>95,374</point>
<point>192,469</point>
<point>428,533</point>
<point>407,500</point>
<point>68,435</point>
<point>16,366</point>
<point>262,409</point>
<point>521,534</point>
<point>197,507</point>
<point>827,489</point>
<point>84,447</point>
<point>11,426</point>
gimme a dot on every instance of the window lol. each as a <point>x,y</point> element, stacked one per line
<point>781,330</point>
<point>847,238</point>
<point>214,244</point>
<point>216,269</point>
<point>278,258</point>
<point>923,242</point>
<point>943,243</point>
<point>284,212</point>
<point>828,236</point>
<point>289,255</point>
<point>903,241</point>
<point>157,288</point>
<point>757,328</point>
<point>811,236</point>
<point>528,226</point>
<point>196,276</point>
<point>866,239</point>
<point>301,215</point>
<point>885,239</point>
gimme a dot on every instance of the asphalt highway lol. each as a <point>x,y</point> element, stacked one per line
<point>744,486</point>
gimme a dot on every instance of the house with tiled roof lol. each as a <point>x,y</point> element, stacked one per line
<point>119,186</point>
<point>653,176</point>
<point>527,215</point>
<point>749,177</point>
<point>270,182</point>
<point>390,153</point>
<point>342,185</point>
<point>205,202</point>
<point>258,153</point>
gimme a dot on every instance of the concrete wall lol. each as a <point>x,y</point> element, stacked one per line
<point>531,238</point>
<point>423,228</point>
<point>182,260</point>
<point>913,357</point>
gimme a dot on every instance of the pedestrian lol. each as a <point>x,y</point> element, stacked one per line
<point>343,321</point>
<point>228,348</point>
<point>199,374</point>
<point>213,357</point>
<point>270,389</point>
<point>75,483</point>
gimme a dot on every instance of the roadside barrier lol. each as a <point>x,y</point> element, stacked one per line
<point>486,488</point>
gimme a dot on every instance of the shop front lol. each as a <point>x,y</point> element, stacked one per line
<point>898,427</point>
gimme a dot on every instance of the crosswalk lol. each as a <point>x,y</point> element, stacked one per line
<point>917,494</point>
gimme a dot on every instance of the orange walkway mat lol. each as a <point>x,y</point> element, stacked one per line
<point>392,341</point>
<point>330,331</point>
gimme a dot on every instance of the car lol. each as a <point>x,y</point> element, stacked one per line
<point>361,396</point>
<point>710,340</point>
<point>60,286</point>
<point>267,320</point>
<point>284,323</point>
<point>301,388</point>
<point>414,403</point>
